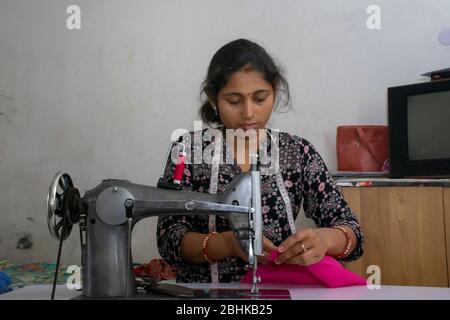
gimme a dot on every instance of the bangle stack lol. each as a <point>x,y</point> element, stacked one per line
<point>205,247</point>
<point>348,242</point>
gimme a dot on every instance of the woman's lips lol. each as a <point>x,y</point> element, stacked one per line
<point>246,126</point>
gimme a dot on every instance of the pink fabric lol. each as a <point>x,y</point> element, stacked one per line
<point>327,272</point>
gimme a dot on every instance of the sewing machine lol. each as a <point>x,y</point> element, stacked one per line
<point>107,214</point>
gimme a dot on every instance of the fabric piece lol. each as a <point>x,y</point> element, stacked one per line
<point>5,281</point>
<point>157,269</point>
<point>328,272</point>
<point>28,274</point>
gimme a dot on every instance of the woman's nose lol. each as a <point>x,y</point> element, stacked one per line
<point>248,110</point>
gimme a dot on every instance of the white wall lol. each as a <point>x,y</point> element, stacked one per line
<point>102,101</point>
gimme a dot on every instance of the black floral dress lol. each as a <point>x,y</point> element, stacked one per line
<point>302,179</point>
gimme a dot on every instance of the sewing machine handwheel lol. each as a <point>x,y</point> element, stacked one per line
<point>61,198</point>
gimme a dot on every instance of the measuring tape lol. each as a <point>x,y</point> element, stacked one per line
<point>213,183</point>
<point>283,191</point>
<point>286,200</point>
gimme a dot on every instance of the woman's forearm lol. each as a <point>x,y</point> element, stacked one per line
<point>335,240</point>
<point>220,246</point>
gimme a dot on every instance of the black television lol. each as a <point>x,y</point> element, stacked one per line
<point>419,130</point>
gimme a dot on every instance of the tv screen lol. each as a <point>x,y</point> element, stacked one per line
<point>429,126</point>
<point>419,130</point>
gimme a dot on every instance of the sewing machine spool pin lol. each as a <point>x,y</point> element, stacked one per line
<point>177,176</point>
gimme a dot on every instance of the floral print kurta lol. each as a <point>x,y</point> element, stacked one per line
<point>307,182</point>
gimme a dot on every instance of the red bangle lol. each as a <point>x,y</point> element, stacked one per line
<point>205,247</point>
<point>348,242</point>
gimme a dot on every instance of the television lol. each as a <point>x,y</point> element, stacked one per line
<point>419,130</point>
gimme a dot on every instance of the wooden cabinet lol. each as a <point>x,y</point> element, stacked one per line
<point>407,232</point>
<point>446,193</point>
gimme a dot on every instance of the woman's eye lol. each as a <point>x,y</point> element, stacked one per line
<point>236,102</point>
<point>260,100</point>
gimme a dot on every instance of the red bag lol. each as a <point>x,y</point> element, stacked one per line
<point>362,148</point>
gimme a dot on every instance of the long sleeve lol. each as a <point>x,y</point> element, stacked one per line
<point>323,202</point>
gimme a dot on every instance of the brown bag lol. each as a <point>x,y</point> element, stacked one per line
<point>362,148</point>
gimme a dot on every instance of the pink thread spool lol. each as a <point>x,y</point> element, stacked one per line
<point>179,167</point>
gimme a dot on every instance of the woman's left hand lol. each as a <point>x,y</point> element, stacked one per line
<point>305,247</point>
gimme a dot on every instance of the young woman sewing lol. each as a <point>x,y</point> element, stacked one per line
<point>242,88</point>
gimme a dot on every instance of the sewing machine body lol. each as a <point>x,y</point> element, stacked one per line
<point>107,224</point>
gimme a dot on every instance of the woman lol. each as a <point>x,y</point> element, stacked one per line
<point>242,87</point>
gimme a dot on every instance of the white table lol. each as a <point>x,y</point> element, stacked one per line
<point>43,292</point>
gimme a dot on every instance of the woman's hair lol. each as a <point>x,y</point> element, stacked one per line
<point>233,57</point>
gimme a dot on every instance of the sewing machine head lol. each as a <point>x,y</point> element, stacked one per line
<point>107,213</point>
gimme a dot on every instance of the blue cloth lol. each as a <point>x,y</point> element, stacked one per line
<point>5,281</point>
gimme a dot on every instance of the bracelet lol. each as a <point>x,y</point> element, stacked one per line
<point>348,243</point>
<point>205,247</point>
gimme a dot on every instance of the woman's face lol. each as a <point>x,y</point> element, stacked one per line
<point>246,101</point>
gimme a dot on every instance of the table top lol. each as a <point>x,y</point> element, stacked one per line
<point>43,292</point>
<point>385,182</point>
